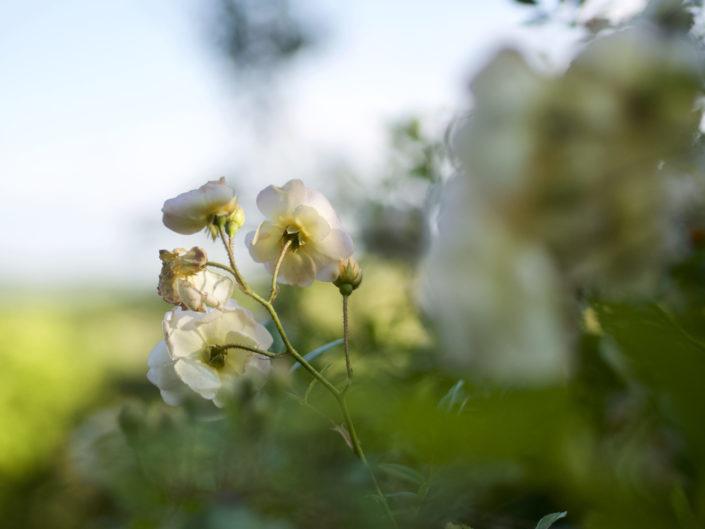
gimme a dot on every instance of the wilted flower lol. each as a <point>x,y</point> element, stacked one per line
<point>185,282</point>
<point>306,218</point>
<point>200,350</point>
<point>210,206</point>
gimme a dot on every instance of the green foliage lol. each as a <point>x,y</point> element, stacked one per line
<point>548,520</point>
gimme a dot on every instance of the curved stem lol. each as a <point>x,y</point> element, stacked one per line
<point>251,349</point>
<point>228,243</point>
<point>337,394</point>
<point>357,449</point>
<point>273,292</point>
<point>221,266</point>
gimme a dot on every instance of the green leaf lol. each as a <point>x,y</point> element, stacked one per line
<point>664,356</point>
<point>403,472</point>
<point>317,352</point>
<point>548,520</point>
<point>454,394</point>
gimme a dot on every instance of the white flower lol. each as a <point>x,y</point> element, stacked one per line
<point>574,161</point>
<point>200,351</point>
<point>197,209</point>
<point>306,218</point>
<point>496,297</point>
<point>185,282</point>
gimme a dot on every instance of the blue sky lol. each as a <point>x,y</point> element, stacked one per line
<point>109,108</point>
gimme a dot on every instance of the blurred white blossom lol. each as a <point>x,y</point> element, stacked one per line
<point>200,351</point>
<point>565,183</point>
<point>496,296</point>
<point>306,218</point>
<point>577,161</point>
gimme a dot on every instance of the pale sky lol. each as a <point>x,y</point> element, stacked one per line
<point>109,108</point>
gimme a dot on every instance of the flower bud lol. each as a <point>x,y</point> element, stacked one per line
<point>235,220</point>
<point>349,276</point>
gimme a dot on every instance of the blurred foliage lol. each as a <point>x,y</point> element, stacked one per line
<point>621,446</point>
<point>397,226</point>
<point>260,36</point>
<point>85,440</point>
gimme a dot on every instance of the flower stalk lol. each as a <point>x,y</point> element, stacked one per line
<point>275,290</point>
<point>338,394</point>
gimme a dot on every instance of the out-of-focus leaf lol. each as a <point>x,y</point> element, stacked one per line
<point>665,358</point>
<point>401,494</point>
<point>403,472</point>
<point>548,520</point>
<point>454,395</point>
<point>317,352</point>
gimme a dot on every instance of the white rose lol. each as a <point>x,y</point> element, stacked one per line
<point>194,210</point>
<point>200,351</point>
<point>306,218</point>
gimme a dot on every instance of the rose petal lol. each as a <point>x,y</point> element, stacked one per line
<point>276,202</point>
<point>298,269</point>
<point>200,377</point>
<point>314,226</point>
<point>319,202</point>
<point>265,243</point>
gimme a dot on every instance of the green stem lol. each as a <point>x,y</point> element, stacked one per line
<point>337,394</point>
<point>252,349</point>
<point>273,293</point>
<point>357,449</point>
<point>218,265</point>
<point>231,257</point>
<point>346,345</point>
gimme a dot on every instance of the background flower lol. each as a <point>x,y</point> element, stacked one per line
<point>306,218</point>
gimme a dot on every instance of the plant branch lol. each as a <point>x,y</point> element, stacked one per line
<point>252,349</point>
<point>346,345</point>
<point>337,394</point>
<point>273,293</point>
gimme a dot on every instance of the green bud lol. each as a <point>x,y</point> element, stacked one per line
<point>235,221</point>
<point>349,276</point>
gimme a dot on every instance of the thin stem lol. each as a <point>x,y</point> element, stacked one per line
<point>337,394</point>
<point>221,266</point>
<point>273,293</point>
<point>346,345</point>
<point>231,257</point>
<point>357,449</point>
<point>252,349</point>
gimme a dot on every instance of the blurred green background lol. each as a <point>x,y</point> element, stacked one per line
<point>85,440</point>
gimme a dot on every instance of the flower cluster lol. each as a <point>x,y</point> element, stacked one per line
<point>211,345</point>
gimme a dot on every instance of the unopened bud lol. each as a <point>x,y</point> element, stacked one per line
<point>349,276</point>
<point>235,221</point>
